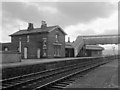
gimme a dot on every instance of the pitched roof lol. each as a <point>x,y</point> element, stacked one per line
<point>100,39</point>
<point>94,47</point>
<point>78,44</point>
<point>37,30</point>
<point>109,35</point>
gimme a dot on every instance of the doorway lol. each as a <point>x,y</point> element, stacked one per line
<point>25,52</point>
<point>38,53</point>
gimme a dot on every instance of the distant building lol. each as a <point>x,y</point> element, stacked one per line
<point>49,42</point>
<point>83,47</point>
<point>43,42</point>
<point>69,49</point>
<point>93,50</point>
<point>8,47</point>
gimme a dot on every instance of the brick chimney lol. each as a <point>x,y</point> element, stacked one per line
<point>30,26</point>
<point>43,24</point>
<point>68,39</point>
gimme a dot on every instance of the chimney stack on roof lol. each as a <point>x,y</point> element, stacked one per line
<point>68,39</point>
<point>44,24</point>
<point>30,26</point>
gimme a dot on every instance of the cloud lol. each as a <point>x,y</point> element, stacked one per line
<point>86,11</point>
<point>78,15</point>
<point>99,26</point>
<point>0,21</point>
<point>8,29</point>
<point>64,12</point>
<point>110,49</point>
<point>20,11</point>
<point>119,16</point>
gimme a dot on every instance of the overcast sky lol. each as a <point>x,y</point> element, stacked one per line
<point>76,18</point>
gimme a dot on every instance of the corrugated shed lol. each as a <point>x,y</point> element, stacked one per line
<point>94,47</point>
<point>94,40</point>
<point>101,40</point>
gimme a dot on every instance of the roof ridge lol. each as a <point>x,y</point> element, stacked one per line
<point>35,30</point>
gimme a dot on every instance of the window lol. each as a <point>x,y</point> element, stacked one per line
<point>56,37</point>
<point>28,38</point>
<point>57,51</point>
<point>19,38</point>
<point>25,52</point>
<point>44,46</point>
<point>6,49</point>
<point>44,42</point>
<point>20,43</point>
<point>38,53</point>
<point>44,52</point>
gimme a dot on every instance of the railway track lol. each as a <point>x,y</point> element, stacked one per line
<point>47,78</point>
<point>63,82</point>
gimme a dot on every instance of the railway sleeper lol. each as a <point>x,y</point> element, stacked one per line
<point>64,83</point>
<point>59,84</point>
<point>68,82</point>
<point>58,87</point>
<point>50,88</point>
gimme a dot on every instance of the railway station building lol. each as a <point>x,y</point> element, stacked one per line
<point>48,42</point>
<point>43,42</point>
<point>69,49</point>
<point>94,50</point>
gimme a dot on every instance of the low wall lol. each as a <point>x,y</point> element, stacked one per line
<point>10,57</point>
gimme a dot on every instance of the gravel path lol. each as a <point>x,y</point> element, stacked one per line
<point>105,76</point>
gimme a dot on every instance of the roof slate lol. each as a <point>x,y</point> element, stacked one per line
<point>94,47</point>
<point>36,30</point>
<point>106,39</point>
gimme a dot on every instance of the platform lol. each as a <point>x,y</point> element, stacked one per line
<point>25,62</point>
<point>29,66</point>
<point>105,76</point>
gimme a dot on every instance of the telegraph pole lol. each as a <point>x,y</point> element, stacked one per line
<point>114,50</point>
<point>20,45</point>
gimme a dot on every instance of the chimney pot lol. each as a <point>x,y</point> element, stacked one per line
<point>30,26</point>
<point>44,24</point>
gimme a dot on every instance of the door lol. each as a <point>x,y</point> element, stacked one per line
<point>38,53</point>
<point>25,53</point>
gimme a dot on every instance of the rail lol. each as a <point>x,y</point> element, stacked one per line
<point>41,79</point>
